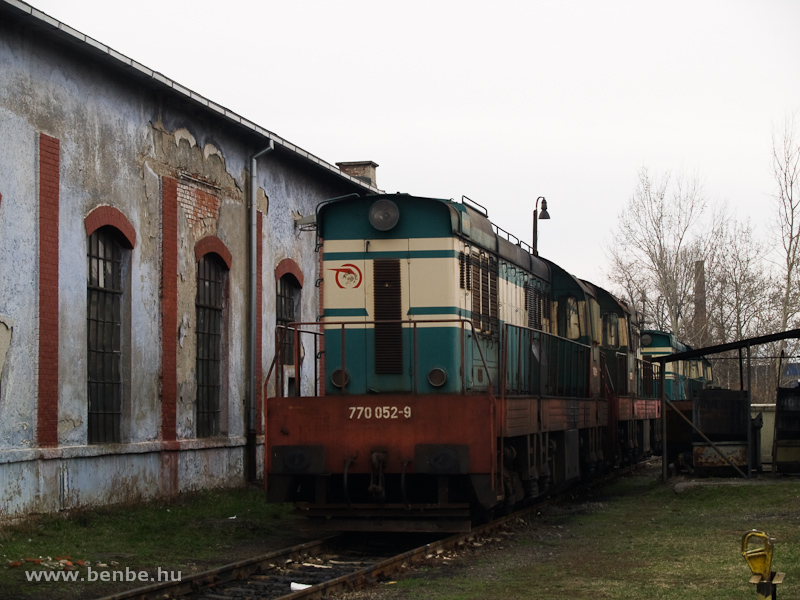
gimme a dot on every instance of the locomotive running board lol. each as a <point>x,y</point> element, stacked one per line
<point>453,518</point>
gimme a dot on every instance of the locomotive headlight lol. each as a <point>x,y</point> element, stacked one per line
<point>383,215</point>
<point>340,378</point>
<point>437,377</point>
<point>646,339</point>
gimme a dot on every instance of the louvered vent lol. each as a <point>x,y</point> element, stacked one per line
<point>476,293</point>
<point>538,305</point>
<point>494,307</point>
<point>388,307</point>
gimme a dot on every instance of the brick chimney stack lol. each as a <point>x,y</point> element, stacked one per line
<point>363,170</point>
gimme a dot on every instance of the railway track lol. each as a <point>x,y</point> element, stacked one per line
<point>320,568</point>
<point>325,566</point>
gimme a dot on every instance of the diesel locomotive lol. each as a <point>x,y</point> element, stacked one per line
<point>456,372</point>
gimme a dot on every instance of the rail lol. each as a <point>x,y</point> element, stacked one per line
<point>299,329</point>
<point>544,364</point>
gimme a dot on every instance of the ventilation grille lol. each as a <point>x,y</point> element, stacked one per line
<point>484,293</point>
<point>388,307</point>
<point>538,306</point>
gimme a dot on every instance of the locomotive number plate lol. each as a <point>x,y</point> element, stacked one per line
<point>380,412</point>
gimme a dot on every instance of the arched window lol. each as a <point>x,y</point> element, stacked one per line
<point>287,304</point>
<point>105,287</point>
<point>209,304</point>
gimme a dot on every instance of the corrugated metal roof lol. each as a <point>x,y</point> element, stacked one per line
<point>90,44</point>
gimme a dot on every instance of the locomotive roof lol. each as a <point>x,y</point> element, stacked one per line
<point>666,338</point>
<point>465,221</point>
<point>605,297</point>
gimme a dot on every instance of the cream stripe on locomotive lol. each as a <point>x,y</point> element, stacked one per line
<point>426,265</point>
<point>672,369</point>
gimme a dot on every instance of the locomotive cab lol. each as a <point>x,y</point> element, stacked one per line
<point>394,321</point>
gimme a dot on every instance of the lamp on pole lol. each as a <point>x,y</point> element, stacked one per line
<point>536,216</point>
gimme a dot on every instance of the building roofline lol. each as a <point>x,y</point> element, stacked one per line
<point>118,60</point>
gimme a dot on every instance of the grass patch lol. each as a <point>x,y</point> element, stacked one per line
<point>188,533</point>
<point>636,538</point>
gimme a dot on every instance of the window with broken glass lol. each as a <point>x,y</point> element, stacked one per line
<point>104,320</point>
<point>209,305</point>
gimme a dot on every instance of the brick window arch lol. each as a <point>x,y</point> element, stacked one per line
<point>103,216</point>
<point>288,266</point>
<point>212,243</point>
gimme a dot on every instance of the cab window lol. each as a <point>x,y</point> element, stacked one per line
<point>610,331</point>
<point>568,319</point>
<point>596,325</point>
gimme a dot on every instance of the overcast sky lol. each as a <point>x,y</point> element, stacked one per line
<point>502,102</point>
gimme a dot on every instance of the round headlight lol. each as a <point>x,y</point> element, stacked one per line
<point>647,339</point>
<point>340,378</point>
<point>437,377</point>
<point>383,215</point>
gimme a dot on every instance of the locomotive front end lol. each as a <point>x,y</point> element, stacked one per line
<point>396,438</point>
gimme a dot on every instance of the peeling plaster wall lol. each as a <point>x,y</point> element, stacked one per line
<point>117,142</point>
<point>210,202</point>
<point>18,280</point>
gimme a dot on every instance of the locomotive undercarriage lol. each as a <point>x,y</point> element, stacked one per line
<point>529,467</point>
<point>406,502</point>
<point>540,464</point>
<point>638,439</point>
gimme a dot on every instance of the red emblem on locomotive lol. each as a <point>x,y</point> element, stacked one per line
<point>348,276</point>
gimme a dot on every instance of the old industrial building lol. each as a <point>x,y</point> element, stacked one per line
<point>149,245</point>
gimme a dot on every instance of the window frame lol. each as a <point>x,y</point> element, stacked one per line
<point>569,321</point>
<point>287,309</point>
<point>107,384</point>
<point>211,300</point>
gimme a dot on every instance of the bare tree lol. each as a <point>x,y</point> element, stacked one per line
<point>786,170</point>
<point>657,244</point>
<point>738,285</point>
<point>739,298</point>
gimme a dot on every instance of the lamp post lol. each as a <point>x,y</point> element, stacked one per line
<point>536,216</point>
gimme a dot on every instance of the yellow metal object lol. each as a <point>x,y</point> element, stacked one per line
<point>757,551</point>
<point>758,555</point>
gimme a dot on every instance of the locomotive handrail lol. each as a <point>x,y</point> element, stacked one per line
<point>643,381</point>
<point>475,204</point>
<point>499,231</point>
<point>609,383</point>
<point>280,341</point>
<point>622,388</point>
<point>296,326</point>
<point>567,349</point>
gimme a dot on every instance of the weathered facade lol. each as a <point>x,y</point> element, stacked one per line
<point>128,349</point>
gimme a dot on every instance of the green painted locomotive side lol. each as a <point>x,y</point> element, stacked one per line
<point>682,378</point>
<point>445,255</point>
